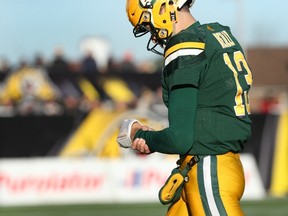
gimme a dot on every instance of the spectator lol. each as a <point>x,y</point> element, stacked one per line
<point>128,64</point>
<point>89,64</point>
<point>59,64</point>
<point>39,61</point>
<point>5,68</point>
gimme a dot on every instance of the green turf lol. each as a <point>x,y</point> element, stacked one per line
<point>267,207</point>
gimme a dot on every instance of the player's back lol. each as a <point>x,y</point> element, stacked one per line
<point>223,104</point>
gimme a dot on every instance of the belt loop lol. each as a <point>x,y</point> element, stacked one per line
<point>195,159</point>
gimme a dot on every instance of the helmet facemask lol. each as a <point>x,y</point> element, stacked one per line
<point>156,19</point>
<point>158,36</point>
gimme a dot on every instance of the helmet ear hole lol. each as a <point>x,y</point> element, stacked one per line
<point>162,9</point>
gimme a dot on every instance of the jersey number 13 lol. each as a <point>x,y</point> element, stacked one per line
<point>241,97</point>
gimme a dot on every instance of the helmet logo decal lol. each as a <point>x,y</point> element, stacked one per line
<point>146,3</point>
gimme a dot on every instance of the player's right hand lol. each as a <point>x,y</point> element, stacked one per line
<point>139,144</point>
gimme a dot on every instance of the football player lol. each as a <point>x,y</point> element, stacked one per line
<point>205,85</point>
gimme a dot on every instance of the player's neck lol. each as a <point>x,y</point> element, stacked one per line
<point>185,19</point>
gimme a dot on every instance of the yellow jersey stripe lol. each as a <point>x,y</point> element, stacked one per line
<point>182,52</point>
<point>185,45</point>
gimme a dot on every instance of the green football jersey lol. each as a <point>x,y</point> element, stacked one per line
<point>211,59</point>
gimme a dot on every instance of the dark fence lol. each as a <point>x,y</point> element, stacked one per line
<point>33,136</point>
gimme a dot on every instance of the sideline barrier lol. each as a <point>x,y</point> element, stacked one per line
<point>41,181</point>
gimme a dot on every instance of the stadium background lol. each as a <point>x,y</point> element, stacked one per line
<point>61,117</point>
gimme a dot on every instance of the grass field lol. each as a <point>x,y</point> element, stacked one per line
<point>267,207</point>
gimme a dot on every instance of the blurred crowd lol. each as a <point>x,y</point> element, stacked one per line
<point>63,87</point>
<point>60,86</point>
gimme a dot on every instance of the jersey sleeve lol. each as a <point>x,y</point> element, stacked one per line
<point>184,60</point>
<point>178,137</point>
